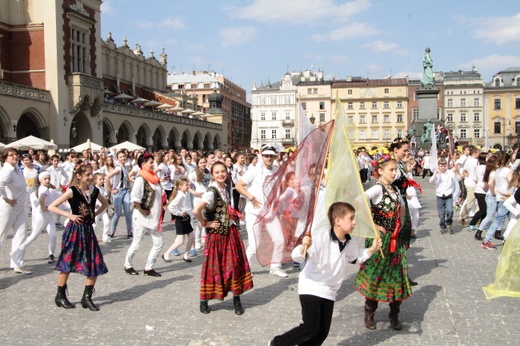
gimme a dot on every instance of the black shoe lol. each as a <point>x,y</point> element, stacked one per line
<point>111,234</point>
<point>61,298</point>
<point>129,235</point>
<point>413,283</point>
<point>151,272</point>
<point>165,260</point>
<point>132,271</point>
<point>413,236</point>
<point>186,259</point>
<point>204,308</point>
<point>498,235</point>
<point>86,301</point>
<point>50,259</point>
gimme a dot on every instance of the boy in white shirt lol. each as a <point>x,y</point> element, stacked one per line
<point>323,274</point>
<point>445,181</point>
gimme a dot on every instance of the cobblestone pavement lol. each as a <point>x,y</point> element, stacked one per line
<point>448,306</point>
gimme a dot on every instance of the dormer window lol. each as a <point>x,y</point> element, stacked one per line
<point>497,82</point>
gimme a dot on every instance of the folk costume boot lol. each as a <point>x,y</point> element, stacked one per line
<point>394,316</point>
<point>61,298</point>
<point>204,308</point>
<point>238,305</point>
<point>478,235</point>
<point>370,310</point>
<point>86,301</point>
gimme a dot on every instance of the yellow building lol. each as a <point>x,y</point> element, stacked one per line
<point>502,108</point>
<point>378,108</point>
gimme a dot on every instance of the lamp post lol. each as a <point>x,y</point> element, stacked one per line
<point>312,119</point>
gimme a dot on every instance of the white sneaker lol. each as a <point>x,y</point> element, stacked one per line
<point>22,270</point>
<point>278,272</point>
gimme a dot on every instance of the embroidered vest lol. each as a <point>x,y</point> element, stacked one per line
<point>219,212</point>
<point>148,195</point>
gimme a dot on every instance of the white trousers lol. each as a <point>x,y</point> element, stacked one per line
<point>14,218</point>
<point>414,215</point>
<point>157,243</point>
<point>42,221</point>
<point>275,231</point>
<point>103,217</point>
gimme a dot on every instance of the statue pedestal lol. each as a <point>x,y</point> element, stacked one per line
<point>427,98</point>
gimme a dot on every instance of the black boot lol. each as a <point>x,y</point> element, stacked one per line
<point>394,314</point>
<point>204,308</point>
<point>238,305</point>
<point>478,235</point>
<point>86,301</point>
<point>498,235</point>
<point>370,310</point>
<point>61,298</point>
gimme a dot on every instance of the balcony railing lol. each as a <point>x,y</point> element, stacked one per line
<point>288,123</point>
<point>23,91</point>
<point>79,79</point>
<point>157,115</point>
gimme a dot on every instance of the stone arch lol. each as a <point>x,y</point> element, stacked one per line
<point>31,122</point>
<point>174,140</point>
<point>143,136</point>
<point>6,127</point>
<point>158,139</point>
<point>197,141</point>
<point>217,143</point>
<point>207,142</point>
<point>124,133</point>
<point>80,129</point>
<point>108,133</point>
<point>186,140</point>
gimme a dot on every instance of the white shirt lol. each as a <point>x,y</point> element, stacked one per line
<point>479,173</point>
<point>12,186</point>
<point>470,166</point>
<point>502,184</point>
<point>151,220</point>
<point>165,173</point>
<point>326,266</point>
<point>180,204</point>
<point>445,183</point>
<point>255,177</point>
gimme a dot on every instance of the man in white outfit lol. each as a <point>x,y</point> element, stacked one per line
<point>254,179</point>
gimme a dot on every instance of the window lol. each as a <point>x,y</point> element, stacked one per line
<point>262,116</point>
<point>322,106</point>
<point>263,134</point>
<point>374,104</point>
<point>80,51</point>
<point>287,99</point>
<point>350,105</point>
<point>350,119</point>
<point>517,127</point>
<point>449,117</point>
<point>287,115</point>
<point>362,134</point>
<point>399,118</point>
<point>387,90</point>
<point>273,115</point>
<point>400,133</point>
<point>362,105</point>
<point>374,119</point>
<point>517,102</point>
<point>497,104</point>
<point>497,127</point>
<point>206,86</point>
<point>273,134</point>
<point>304,106</point>
<point>497,82</point>
<point>476,117</point>
<point>386,118</point>
<point>415,114</point>
<point>349,91</point>
<point>312,90</point>
<point>322,117</point>
<point>386,104</point>
<point>193,86</point>
<point>463,102</point>
<point>450,102</point>
<point>287,133</point>
<point>386,134</point>
<point>476,102</point>
<point>463,117</point>
<point>463,133</point>
<point>309,91</point>
<point>362,119</point>
<point>476,133</point>
<point>262,100</point>
<point>399,104</point>
<point>375,135</point>
<point>274,100</point>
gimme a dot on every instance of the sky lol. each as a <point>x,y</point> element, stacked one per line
<point>261,40</point>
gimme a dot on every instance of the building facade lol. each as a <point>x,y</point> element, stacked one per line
<point>502,108</point>
<point>59,80</point>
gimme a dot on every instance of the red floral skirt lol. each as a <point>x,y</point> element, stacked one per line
<point>225,267</point>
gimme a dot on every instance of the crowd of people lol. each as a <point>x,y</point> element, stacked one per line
<point>210,196</point>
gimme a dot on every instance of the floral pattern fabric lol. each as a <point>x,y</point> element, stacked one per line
<point>80,251</point>
<point>385,279</point>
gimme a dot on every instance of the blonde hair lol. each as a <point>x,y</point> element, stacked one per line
<point>175,192</point>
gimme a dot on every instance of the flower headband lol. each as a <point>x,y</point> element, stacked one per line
<point>384,158</point>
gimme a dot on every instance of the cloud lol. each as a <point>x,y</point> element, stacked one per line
<point>379,46</point>
<point>411,75</point>
<point>347,32</point>
<point>491,64</point>
<point>106,7</point>
<point>498,30</point>
<point>145,25</point>
<point>235,36</point>
<point>298,11</point>
<point>173,23</point>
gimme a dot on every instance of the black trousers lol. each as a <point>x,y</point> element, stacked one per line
<point>317,317</point>
<point>482,209</point>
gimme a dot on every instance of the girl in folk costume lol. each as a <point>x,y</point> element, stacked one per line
<point>182,211</point>
<point>225,267</point>
<point>80,252</point>
<point>199,182</point>
<point>147,198</point>
<point>42,219</point>
<point>385,278</point>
